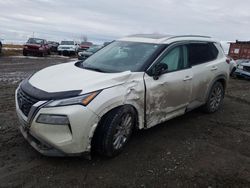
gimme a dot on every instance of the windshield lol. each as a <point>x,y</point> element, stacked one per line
<point>35,41</point>
<point>67,43</point>
<point>121,56</point>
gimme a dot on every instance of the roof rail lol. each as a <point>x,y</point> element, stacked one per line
<point>189,36</point>
<point>152,36</point>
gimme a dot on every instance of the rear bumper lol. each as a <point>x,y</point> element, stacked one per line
<point>66,50</point>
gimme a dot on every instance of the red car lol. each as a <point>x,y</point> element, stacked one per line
<point>35,46</point>
<point>84,46</point>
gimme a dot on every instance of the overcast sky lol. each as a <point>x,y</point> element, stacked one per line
<point>104,20</point>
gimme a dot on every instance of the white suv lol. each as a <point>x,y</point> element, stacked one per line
<point>68,47</point>
<point>136,82</point>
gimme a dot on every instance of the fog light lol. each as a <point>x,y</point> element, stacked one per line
<point>53,119</point>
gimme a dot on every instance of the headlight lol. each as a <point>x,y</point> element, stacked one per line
<point>53,119</point>
<point>240,67</point>
<point>82,100</point>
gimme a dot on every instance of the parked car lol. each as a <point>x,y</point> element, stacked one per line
<point>53,46</point>
<point>1,46</point>
<point>68,48</point>
<point>135,82</point>
<point>85,54</point>
<point>84,46</point>
<point>233,66</point>
<point>243,68</point>
<point>36,46</point>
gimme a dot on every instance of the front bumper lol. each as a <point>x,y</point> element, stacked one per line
<point>242,73</point>
<point>33,51</point>
<point>60,140</point>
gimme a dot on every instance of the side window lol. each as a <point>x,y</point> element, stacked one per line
<point>176,59</point>
<point>173,59</point>
<point>201,53</point>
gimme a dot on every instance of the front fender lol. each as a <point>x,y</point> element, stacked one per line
<point>130,93</point>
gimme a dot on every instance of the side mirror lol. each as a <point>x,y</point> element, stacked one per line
<point>159,69</point>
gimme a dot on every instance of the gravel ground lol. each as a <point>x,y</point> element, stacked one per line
<point>194,150</point>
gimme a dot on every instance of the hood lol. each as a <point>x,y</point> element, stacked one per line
<point>68,77</point>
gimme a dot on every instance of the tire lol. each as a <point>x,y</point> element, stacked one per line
<point>59,53</point>
<point>25,53</point>
<point>215,98</point>
<point>109,139</point>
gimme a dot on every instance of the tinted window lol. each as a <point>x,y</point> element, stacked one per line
<point>67,43</point>
<point>201,52</point>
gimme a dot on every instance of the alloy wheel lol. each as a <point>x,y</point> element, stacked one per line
<point>216,98</point>
<point>123,131</point>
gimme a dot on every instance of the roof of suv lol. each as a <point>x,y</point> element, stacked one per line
<point>165,39</point>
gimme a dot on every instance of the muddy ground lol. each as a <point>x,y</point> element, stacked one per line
<point>195,150</point>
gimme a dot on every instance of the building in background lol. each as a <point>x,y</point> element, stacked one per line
<point>239,50</point>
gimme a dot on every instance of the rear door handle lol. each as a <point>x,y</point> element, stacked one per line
<point>187,78</point>
<point>214,68</point>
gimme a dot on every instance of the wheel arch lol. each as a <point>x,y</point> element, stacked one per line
<point>106,111</point>
<point>220,78</point>
<point>104,115</point>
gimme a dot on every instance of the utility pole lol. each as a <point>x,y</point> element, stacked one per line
<point>33,34</point>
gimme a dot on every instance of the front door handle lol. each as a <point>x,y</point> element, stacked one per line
<point>214,68</point>
<point>187,78</point>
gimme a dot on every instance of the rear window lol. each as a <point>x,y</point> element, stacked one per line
<point>201,53</point>
<point>67,43</point>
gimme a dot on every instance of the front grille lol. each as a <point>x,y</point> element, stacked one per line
<point>25,102</point>
<point>246,68</point>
